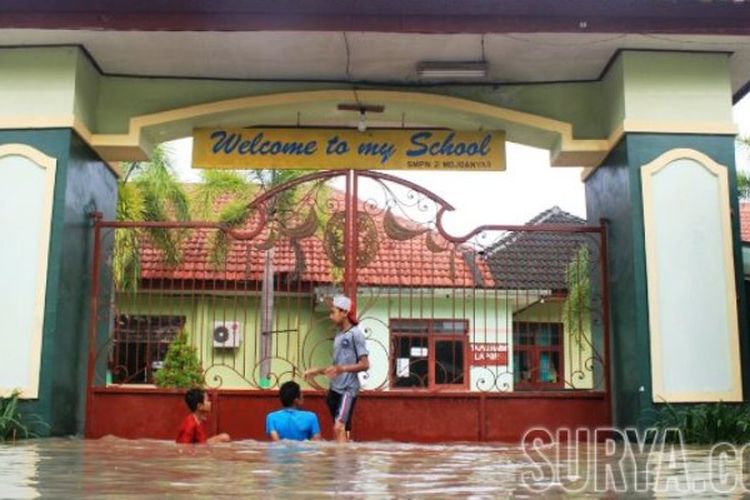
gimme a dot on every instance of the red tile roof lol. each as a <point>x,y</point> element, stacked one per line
<point>425,260</point>
<point>745,221</point>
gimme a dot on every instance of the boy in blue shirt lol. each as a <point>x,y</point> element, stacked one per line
<point>290,422</point>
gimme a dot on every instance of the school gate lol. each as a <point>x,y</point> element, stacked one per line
<point>474,337</point>
<point>641,99</point>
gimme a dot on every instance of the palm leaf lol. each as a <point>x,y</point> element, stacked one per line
<point>217,184</point>
<point>232,215</point>
<point>743,185</point>
<point>148,192</point>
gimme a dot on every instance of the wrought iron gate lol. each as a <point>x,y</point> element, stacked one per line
<point>499,309</point>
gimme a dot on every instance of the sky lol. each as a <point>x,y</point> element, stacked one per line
<point>528,186</point>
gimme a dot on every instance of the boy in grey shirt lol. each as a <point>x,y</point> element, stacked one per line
<point>350,356</point>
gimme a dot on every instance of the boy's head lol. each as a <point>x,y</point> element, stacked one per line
<point>197,399</point>
<point>290,394</point>
<point>341,309</point>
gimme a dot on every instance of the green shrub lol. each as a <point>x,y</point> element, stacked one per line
<point>14,425</point>
<point>707,423</point>
<point>182,369</point>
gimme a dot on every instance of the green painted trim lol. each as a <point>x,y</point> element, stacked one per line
<point>638,90</point>
<point>37,82</point>
<point>87,91</point>
<point>106,103</point>
<point>613,97</point>
<point>677,87</point>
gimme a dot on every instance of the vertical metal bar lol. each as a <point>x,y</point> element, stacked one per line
<point>605,313</point>
<point>267,314</point>
<point>216,404</point>
<point>97,216</point>
<point>351,239</point>
<point>482,417</point>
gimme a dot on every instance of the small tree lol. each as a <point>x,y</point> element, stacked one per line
<point>182,369</point>
<point>743,177</point>
<point>743,185</point>
<point>577,307</point>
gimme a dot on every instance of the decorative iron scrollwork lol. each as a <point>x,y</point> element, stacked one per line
<point>334,243</point>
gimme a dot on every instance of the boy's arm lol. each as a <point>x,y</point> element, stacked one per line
<point>219,438</point>
<point>315,428</point>
<point>311,372</point>
<point>186,434</point>
<point>271,428</point>
<point>183,437</point>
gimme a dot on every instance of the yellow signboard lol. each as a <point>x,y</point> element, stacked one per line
<point>377,149</point>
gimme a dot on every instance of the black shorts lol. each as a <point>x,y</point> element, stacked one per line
<point>341,407</point>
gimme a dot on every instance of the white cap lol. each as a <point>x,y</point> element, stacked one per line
<point>343,303</point>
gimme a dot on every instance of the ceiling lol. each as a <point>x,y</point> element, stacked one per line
<point>369,56</point>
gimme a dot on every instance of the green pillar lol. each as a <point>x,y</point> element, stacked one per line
<point>51,182</point>
<point>678,332</point>
<point>83,184</point>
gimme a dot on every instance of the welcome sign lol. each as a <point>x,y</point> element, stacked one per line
<point>377,149</point>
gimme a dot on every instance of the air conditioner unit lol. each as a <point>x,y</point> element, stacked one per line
<point>323,296</point>
<point>227,334</point>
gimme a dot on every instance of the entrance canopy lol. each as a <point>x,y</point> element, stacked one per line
<point>146,72</point>
<point>380,41</point>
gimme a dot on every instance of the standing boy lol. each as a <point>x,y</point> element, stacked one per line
<point>350,357</point>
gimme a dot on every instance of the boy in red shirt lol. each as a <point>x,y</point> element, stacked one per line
<point>193,428</point>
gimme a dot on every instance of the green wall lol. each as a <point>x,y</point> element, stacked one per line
<point>43,82</point>
<point>83,185</point>
<point>490,317</point>
<point>301,338</point>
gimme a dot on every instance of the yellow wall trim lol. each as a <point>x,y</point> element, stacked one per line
<point>652,272</point>
<point>588,153</point>
<point>71,121</point>
<point>666,127</point>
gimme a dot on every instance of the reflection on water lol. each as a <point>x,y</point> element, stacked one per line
<point>112,468</point>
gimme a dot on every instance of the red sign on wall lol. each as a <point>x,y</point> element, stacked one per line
<point>486,354</point>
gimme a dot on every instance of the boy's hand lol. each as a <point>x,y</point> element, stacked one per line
<point>310,373</point>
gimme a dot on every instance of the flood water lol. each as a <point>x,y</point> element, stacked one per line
<point>116,468</point>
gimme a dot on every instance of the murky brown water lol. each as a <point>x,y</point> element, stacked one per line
<point>115,468</point>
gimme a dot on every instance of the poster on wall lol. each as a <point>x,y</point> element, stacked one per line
<point>488,354</point>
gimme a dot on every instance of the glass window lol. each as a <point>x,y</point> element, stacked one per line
<point>427,353</point>
<point>449,362</point>
<point>537,355</point>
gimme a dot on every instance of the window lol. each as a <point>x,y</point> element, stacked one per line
<point>429,354</point>
<point>537,355</point>
<point>140,345</point>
